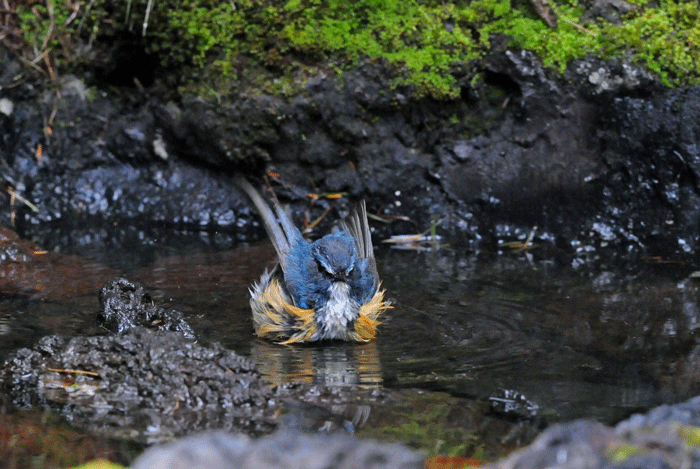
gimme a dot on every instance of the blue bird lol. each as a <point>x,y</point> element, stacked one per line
<point>327,289</point>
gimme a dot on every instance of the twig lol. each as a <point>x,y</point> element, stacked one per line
<point>77,372</point>
<point>313,224</point>
<point>145,19</point>
<point>52,24</point>
<point>576,25</point>
<point>31,64</point>
<point>15,195</point>
<point>87,10</point>
<point>47,62</point>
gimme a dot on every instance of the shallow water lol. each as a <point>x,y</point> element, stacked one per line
<point>462,329</point>
<point>577,346</point>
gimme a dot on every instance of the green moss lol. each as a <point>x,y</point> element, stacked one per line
<point>623,451</point>
<point>100,464</point>
<point>667,40</point>
<point>690,434</point>
<point>430,45</point>
<point>49,28</point>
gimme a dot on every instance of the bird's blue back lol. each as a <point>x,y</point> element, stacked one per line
<point>309,285</point>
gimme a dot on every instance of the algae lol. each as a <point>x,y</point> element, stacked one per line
<point>434,423</point>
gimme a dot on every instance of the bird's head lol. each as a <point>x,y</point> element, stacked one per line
<point>335,255</point>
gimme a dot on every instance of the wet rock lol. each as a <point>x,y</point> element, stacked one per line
<point>125,305</point>
<point>100,160</point>
<point>522,161</point>
<point>611,11</point>
<point>604,146</point>
<point>13,249</point>
<point>575,445</point>
<point>284,450</point>
<point>227,135</point>
<point>133,137</point>
<point>606,77</point>
<point>662,132</point>
<point>141,385</point>
<point>629,170</point>
<point>9,69</point>
<point>687,413</point>
<point>514,405</point>
<point>666,437</point>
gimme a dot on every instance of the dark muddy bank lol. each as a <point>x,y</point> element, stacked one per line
<point>603,162</point>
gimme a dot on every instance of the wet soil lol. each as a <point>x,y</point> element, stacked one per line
<point>599,157</point>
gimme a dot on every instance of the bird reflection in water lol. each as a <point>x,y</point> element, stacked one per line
<point>332,364</point>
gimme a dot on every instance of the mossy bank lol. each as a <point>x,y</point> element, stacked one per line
<point>433,48</point>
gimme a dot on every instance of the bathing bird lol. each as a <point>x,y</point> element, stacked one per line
<point>325,289</point>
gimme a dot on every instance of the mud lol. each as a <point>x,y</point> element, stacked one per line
<point>602,157</point>
<point>141,385</point>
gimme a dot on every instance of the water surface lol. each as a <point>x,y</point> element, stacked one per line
<point>462,329</point>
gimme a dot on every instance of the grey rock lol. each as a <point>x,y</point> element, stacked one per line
<point>282,450</point>
<point>660,439</point>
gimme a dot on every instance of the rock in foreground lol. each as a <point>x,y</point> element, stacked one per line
<point>282,450</point>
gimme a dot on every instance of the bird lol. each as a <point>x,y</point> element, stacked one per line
<point>328,289</point>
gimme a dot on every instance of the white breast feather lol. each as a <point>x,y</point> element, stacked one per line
<point>337,312</point>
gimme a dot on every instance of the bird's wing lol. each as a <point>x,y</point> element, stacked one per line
<point>356,225</point>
